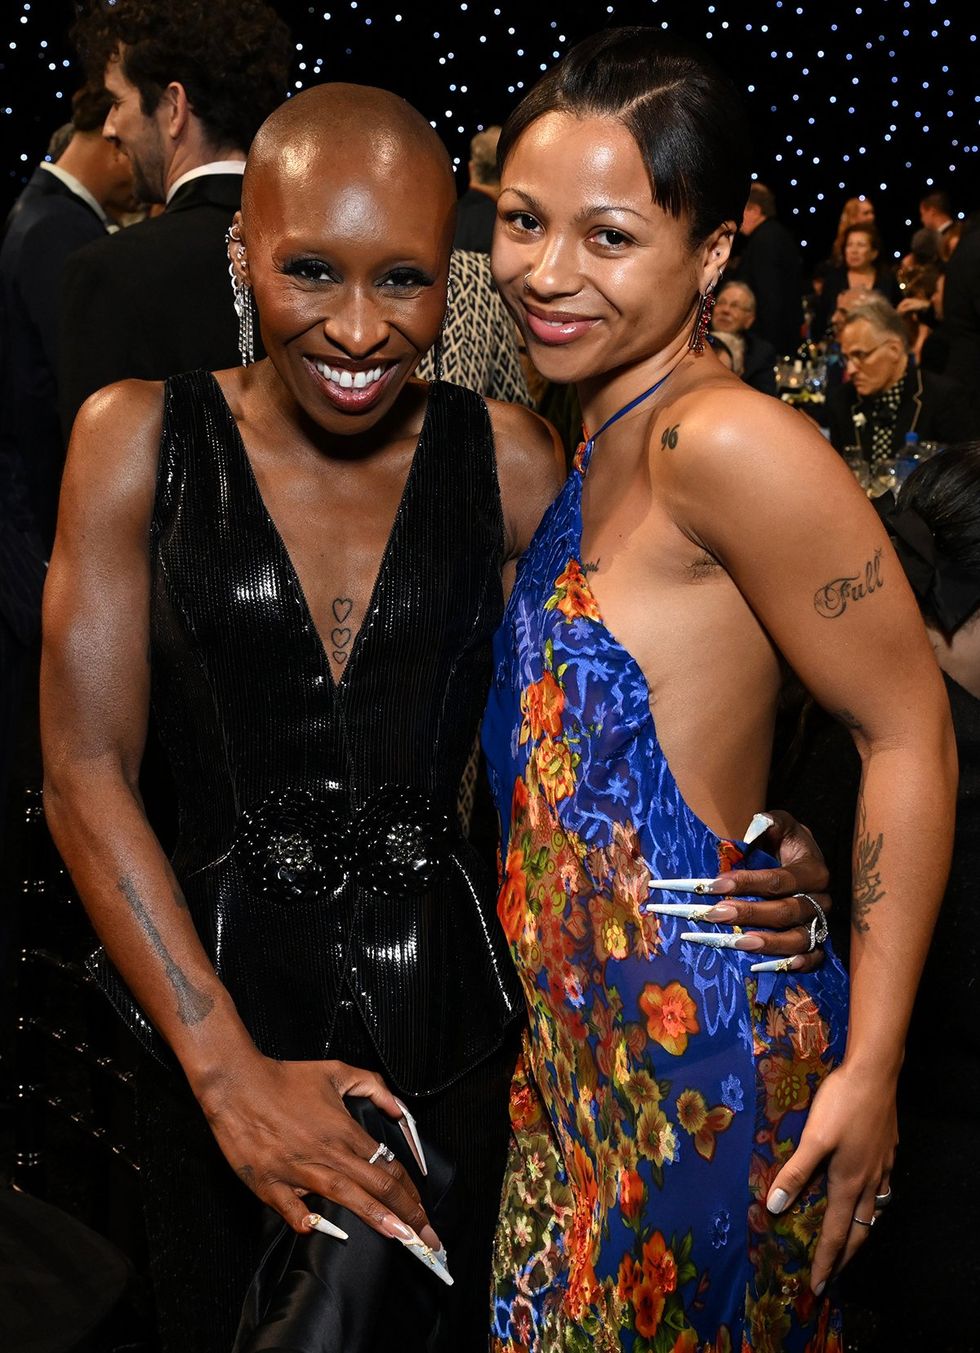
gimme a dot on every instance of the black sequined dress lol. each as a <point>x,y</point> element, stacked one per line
<point>317,847</point>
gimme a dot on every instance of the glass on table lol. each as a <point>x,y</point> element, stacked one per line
<point>884,477</point>
<point>858,466</point>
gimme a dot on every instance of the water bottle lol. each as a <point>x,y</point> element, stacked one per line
<point>908,459</point>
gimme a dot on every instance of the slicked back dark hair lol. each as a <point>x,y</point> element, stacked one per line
<point>684,114</point>
<point>231,56</point>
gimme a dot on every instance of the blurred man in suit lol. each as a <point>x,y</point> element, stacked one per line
<point>64,206</point>
<point>772,268</point>
<point>190,85</point>
<point>734,313</point>
<point>888,395</point>
<point>477,208</point>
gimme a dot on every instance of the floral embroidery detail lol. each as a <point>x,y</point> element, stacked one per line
<point>572,595</point>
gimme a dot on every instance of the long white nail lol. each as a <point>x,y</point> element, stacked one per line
<point>413,1130</point>
<point>317,1223</point>
<point>683,885</point>
<point>759,824</point>
<point>711,939</point>
<point>417,1246</point>
<point>776,965</point>
<point>690,911</point>
<point>777,1200</point>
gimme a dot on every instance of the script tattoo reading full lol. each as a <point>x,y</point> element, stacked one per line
<point>833,598</point>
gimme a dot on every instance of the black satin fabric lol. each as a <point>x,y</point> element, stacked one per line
<point>317,1294</point>
<point>317,847</point>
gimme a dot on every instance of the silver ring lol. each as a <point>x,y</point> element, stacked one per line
<point>819,929</point>
<point>382,1152</point>
<point>868,1224</point>
<point>883,1199</point>
<point>526,283</point>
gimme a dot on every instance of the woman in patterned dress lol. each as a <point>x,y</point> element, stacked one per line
<point>699,1140</point>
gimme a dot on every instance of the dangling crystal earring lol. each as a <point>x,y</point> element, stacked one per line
<point>437,359</point>
<point>702,320</point>
<point>244,303</point>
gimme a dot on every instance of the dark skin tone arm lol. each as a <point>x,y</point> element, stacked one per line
<point>281,1125</point>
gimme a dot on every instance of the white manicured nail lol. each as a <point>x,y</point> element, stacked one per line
<point>317,1223</point>
<point>759,824</point>
<point>413,1130</point>
<point>712,940</point>
<point>777,1200</point>
<point>776,965</point>
<point>683,885</point>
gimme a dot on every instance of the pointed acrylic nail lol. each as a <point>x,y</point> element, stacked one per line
<point>693,911</point>
<point>712,940</point>
<point>776,965</point>
<point>317,1223</point>
<point>759,824</point>
<point>417,1246</point>
<point>414,1132</point>
<point>689,911</point>
<point>683,885</point>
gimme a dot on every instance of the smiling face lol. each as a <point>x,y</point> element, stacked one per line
<point>139,135</point>
<point>859,251</point>
<point>596,274</point>
<point>348,240</point>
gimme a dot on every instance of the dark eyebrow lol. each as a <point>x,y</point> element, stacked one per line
<point>586,214</point>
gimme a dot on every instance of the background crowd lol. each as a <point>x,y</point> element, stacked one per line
<point>113,265</point>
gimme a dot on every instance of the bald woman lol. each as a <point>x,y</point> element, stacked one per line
<point>302,563</point>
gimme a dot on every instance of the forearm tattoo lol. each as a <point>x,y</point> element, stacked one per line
<point>867,885</point>
<point>340,635</point>
<point>192,1005</point>
<point>833,598</point>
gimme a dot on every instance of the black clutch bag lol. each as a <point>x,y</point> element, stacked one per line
<point>314,1294</point>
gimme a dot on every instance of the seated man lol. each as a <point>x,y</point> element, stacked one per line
<point>734,313</point>
<point>888,395</point>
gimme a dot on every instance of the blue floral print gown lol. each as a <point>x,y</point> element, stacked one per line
<point>662,1085</point>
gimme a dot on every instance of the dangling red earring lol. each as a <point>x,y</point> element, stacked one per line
<point>702,320</point>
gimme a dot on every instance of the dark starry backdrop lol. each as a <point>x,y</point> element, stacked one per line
<point>880,98</point>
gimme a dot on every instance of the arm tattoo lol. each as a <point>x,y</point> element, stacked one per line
<point>867,885</point>
<point>341,635</point>
<point>670,437</point>
<point>832,599</point>
<point>591,568</point>
<point>192,1005</point>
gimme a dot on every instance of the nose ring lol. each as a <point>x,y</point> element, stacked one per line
<point>527,285</point>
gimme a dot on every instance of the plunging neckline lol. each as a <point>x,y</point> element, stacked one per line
<point>338,684</point>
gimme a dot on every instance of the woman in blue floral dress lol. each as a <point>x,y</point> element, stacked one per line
<point>699,1140</point>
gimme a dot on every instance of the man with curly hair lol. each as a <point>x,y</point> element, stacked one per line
<point>191,82</point>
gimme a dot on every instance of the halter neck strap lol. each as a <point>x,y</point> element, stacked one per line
<point>586,454</point>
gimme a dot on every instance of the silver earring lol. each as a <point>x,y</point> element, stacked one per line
<point>244,303</point>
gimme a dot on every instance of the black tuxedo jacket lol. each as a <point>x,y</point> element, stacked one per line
<point>772,267</point>
<point>760,363</point>
<point>934,407</point>
<point>154,299</point>
<point>48,222</point>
